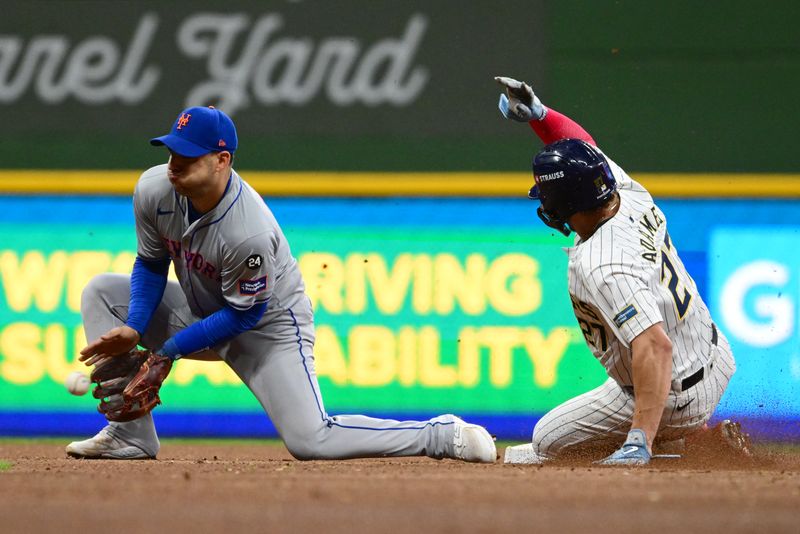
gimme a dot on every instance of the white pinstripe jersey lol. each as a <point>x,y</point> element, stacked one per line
<point>626,277</point>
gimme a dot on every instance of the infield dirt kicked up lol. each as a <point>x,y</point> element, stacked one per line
<point>259,487</point>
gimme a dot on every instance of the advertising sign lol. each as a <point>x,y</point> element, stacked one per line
<point>755,288</point>
<point>474,322</point>
<point>411,318</point>
<point>422,306</point>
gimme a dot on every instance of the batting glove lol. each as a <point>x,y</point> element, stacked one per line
<point>633,452</point>
<point>520,104</point>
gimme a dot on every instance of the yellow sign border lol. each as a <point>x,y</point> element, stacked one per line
<point>403,184</point>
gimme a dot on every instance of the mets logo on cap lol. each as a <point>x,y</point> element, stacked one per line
<point>183,120</point>
<point>198,131</point>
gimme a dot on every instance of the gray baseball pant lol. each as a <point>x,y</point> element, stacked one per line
<point>276,362</point>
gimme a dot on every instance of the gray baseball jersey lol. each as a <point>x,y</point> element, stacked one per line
<point>236,254</point>
<point>623,279</point>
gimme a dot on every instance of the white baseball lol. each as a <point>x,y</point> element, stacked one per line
<point>77,383</point>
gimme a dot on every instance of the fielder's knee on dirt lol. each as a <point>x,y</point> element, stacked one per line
<point>306,444</point>
<point>301,451</point>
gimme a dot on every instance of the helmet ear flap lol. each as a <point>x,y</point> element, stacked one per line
<point>553,222</point>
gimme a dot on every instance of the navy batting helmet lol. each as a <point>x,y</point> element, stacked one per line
<point>571,176</point>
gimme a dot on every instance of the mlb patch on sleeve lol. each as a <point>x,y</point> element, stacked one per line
<point>253,287</point>
<point>622,317</point>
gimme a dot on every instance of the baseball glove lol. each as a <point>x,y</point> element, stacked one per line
<point>112,374</point>
<point>128,384</point>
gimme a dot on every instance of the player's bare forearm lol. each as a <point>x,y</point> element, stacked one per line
<point>652,378</point>
<point>555,126</point>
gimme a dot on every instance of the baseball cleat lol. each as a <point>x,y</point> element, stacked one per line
<point>105,446</point>
<point>733,436</point>
<point>472,443</point>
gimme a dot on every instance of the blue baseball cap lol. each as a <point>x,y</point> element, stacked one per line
<point>198,131</point>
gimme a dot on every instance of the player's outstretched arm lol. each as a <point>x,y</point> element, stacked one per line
<point>521,104</point>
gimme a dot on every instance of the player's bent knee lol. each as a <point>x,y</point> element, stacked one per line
<point>545,444</point>
<point>304,450</point>
<point>543,450</point>
<point>555,446</point>
<point>302,453</point>
<point>306,445</point>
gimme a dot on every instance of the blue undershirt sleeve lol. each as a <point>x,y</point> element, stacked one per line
<point>148,280</point>
<point>220,326</point>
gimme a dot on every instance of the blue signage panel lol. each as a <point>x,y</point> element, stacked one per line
<point>755,296</point>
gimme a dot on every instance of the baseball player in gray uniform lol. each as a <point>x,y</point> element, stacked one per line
<point>240,297</point>
<point>639,310</point>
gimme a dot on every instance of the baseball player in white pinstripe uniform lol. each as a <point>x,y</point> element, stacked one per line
<point>638,308</point>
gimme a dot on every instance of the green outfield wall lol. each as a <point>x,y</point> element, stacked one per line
<point>400,86</point>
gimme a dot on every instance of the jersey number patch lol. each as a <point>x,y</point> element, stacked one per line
<point>255,261</point>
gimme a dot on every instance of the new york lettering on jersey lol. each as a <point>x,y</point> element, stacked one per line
<point>223,256</point>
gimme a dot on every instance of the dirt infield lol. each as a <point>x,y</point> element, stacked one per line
<point>220,487</point>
